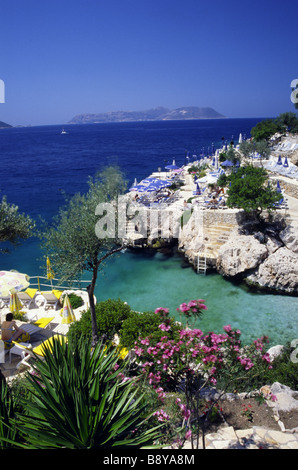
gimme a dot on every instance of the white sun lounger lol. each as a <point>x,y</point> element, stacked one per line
<point>50,299</point>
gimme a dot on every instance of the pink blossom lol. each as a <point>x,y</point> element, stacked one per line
<point>161,415</point>
<point>161,310</point>
<point>164,327</point>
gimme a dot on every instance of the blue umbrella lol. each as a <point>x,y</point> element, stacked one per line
<point>279,162</point>
<point>198,190</point>
<point>138,188</point>
<point>227,163</point>
<point>278,189</point>
<point>286,163</point>
<point>172,167</point>
<point>158,185</point>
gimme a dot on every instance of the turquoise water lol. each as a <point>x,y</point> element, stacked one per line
<point>148,282</point>
<point>40,165</point>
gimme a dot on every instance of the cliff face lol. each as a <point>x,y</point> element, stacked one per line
<point>265,260</point>
<point>156,114</point>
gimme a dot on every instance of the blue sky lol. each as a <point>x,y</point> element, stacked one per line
<point>66,57</point>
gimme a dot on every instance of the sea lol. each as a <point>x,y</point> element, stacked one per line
<point>40,166</point>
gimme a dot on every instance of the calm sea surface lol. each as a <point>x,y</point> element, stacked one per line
<point>39,165</point>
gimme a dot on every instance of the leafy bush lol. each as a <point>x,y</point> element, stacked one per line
<point>110,315</point>
<point>283,371</point>
<point>141,325</point>
<point>75,300</point>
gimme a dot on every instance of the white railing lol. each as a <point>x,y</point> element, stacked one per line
<point>50,284</point>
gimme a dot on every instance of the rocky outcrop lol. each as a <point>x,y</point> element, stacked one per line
<point>240,254</point>
<point>289,237</point>
<point>278,272</point>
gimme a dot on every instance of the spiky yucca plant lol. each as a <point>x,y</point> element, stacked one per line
<point>80,400</point>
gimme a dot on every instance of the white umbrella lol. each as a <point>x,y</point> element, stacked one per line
<point>12,282</point>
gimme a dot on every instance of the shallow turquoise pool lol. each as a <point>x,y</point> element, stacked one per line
<point>146,282</point>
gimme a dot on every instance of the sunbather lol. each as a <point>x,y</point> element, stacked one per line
<point>11,331</point>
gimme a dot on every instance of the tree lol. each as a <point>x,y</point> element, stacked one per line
<point>289,121</point>
<point>265,129</point>
<point>14,226</point>
<point>71,240</point>
<point>250,191</point>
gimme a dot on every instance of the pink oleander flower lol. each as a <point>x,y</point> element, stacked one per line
<point>164,327</point>
<point>227,328</point>
<point>161,310</point>
<point>188,434</point>
<point>161,415</point>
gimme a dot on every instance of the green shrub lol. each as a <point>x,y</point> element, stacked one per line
<point>141,325</point>
<point>283,371</point>
<point>75,300</point>
<point>109,317</point>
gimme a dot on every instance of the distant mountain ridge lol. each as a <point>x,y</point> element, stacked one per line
<point>156,114</point>
<point>3,124</point>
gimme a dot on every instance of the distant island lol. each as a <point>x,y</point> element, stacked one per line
<point>3,124</point>
<point>156,114</point>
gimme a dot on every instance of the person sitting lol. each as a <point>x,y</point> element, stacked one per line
<point>11,332</point>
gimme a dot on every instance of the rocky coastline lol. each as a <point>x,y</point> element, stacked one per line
<point>237,248</point>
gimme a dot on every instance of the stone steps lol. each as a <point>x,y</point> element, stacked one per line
<point>214,237</point>
<point>254,438</point>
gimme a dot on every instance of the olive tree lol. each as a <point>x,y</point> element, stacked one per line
<point>71,240</point>
<point>14,226</point>
<point>250,191</point>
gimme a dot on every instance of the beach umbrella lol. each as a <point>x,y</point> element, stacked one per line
<point>279,162</point>
<point>240,138</point>
<point>198,189</point>
<point>15,303</point>
<point>50,272</point>
<point>67,312</point>
<point>286,164</point>
<point>278,188</point>
<point>139,188</point>
<point>172,167</point>
<point>12,282</point>
<point>227,163</point>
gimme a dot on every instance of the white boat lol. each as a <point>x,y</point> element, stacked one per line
<point>64,132</point>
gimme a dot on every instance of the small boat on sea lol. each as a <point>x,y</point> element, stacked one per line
<point>63,131</point>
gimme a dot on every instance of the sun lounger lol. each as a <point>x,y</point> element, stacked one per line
<point>51,298</point>
<point>5,301</point>
<point>31,328</point>
<point>20,351</point>
<point>39,351</point>
<point>44,322</point>
<point>27,297</point>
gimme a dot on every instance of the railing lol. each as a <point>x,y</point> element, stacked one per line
<point>52,285</point>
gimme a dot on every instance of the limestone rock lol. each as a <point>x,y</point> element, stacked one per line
<point>289,236</point>
<point>239,254</point>
<point>286,397</point>
<point>279,272</point>
<point>275,351</point>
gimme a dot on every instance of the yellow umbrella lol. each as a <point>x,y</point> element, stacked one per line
<point>50,272</point>
<point>67,312</point>
<point>15,303</point>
